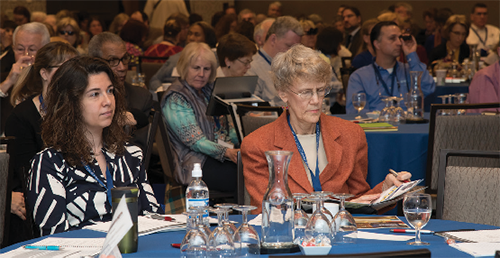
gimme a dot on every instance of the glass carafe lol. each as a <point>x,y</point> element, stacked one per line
<point>277,206</point>
<point>415,99</point>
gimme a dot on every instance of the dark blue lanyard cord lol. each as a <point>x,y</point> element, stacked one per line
<point>265,58</point>
<point>485,37</point>
<point>42,104</point>
<point>393,75</point>
<point>109,181</point>
<point>314,177</point>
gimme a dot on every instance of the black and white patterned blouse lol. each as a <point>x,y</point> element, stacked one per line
<point>63,197</point>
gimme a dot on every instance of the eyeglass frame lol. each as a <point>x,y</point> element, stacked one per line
<point>118,60</point>
<point>245,63</point>
<point>327,90</point>
<point>67,32</point>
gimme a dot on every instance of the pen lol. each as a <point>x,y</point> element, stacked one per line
<point>176,245</point>
<point>165,218</point>
<point>399,230</point>
<point>43,247</point>
<point>394,173</point>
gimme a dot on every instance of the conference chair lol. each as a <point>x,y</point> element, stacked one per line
<point>149,68</point>
<point>150,137</point>
<point>245,124</point>
<point>468,193</point>
<point>464,132</point>
<point>4,195</point>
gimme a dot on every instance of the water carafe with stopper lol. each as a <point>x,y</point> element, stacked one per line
<point>415,99</point>
<point>277,206</point>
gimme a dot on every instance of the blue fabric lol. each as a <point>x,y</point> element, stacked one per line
<point>364,80</point>
<point>159,245</point>
<point>362,59</point>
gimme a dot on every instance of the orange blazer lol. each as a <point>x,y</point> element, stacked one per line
<point>346,151</point>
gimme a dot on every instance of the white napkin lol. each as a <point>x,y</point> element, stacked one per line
<point>377,236</point>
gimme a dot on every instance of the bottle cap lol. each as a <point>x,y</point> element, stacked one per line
<point>197,170</point>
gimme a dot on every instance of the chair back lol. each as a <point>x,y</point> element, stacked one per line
<point>244,124</point>
<point>149,69</point>
<point>151,134</point>
<point>465,132</point>
<point>5,194</point>
<point>466,193</point>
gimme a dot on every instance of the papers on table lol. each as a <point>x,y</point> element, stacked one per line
<point>478,249</point>
<point>478,236</point>
<point>70,247</point>
<point>378,127</point>
<point>368,222</point>
<point>147,226</point>
<point>257,221</point>
<point>377,236</point>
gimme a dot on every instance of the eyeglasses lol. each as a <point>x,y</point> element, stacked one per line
<point>115,61</point>
<point>459,33</point>
<point>245,63</point>
<point>308,94</point>
<point>66,32</point>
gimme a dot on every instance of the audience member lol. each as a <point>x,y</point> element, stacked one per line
<point>158,10</point>
<point>226,25</point>
<point>68,29</point>
<point>260,18</point>
<point>96,26</point>
<point>118,23</point>
<point>168,46</point>
<point>6,53</point>
<point>485,86</point>
<point>389,16</point>
<point>274,10</point>
<point>63,14</point>
<point>437,38</point>
<point>52,21</point>
<point>310,33</point>
<point>230,10</point>
<point>260,31</point>
<point>38,16</point>
<point>430,26</point>
<point>83,20</point>
<point>198,32</point>
<point>386,76</point>
<point>234,53</point>
<point>141,16</point>
<point>112,48</point>
<point>352,25</point>
<point>247,15</point>
<point>134,35</point>
<point>184,106</point>
<point>246,29</point>
<point>24,125</point>
<point>318,21</point>
<point>366,56</point>
<point>484,35</point>
<point>87,155</point>
<point>454,49</point>
<point>333,152</point>
<point>282,35</point>
<point>216,18</point>
<point>403,10</point>
<point>21,15</point>
<point>339,20</point>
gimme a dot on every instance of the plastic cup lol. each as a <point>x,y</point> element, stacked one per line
<point>441,77</point>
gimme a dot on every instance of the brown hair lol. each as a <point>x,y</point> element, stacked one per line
<point>133,31</point>
<point>452,21</point>
<point>63,125</point>
<point>234,46</point>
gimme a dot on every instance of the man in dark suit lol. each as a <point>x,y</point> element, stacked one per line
<point>352,25</point>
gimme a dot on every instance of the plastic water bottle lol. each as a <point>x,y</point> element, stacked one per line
<point>197,191</point>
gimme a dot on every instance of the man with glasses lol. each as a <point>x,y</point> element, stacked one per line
<point>485,36</point>
<point>386,76</point>
<point>112,48</point>
<point>352,26</point>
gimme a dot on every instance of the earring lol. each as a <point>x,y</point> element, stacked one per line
<point>228,67</point>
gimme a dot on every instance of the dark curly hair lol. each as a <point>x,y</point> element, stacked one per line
<point>63,126</point>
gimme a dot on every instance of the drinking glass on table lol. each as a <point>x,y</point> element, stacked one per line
<point>300,217</point>
<point>385,114</point>
<point>318,225</point>
<point>231,228</point>
<point>417,209</point>
<point>359,101</point>
<point>246,239</point>
<point>398,114</point>
<point>221,241</point>
<point>343,223</point>
<point>195,242</point>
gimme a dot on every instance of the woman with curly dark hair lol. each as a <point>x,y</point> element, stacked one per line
<point>70,182</point>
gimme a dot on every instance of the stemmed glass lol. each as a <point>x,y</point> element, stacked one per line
<point>195,243</point>
<point>461,98</point>
<point>359,101</point>
<point>318,224</point>
<point>300,217</point>
<point>343,223</point>
<point>199,220</point>
<point>450,101</point>
<point>221,241</point>
<point>246,239</point>
<point>322,196</point>
<point>417,209</point>
<point>231,228</point>
<point>443,99</point>
<point>398,114</point>
<point>385,114</point>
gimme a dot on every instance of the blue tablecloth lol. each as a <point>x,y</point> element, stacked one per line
<point>448,88</point>
<point>159,245</point>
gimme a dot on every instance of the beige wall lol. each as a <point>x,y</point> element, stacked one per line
<point>370,9</point>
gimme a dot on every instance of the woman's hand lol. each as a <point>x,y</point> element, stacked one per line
<point>368,198</point>
<point>391,180</point>
<point>17,205</point>
<point>232,154</point>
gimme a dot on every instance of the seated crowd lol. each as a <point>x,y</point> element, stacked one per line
<point>69,105</point>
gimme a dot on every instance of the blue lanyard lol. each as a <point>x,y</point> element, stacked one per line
<point>314,177</point>
<point>265,58</point>
<point>42,104</point>
<point>394,76</point>
<point>485,37</point>
<point>109,181</point>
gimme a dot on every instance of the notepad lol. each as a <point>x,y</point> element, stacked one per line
<point>476,236</point>
<point>478,249</point>
<point>378,127</point>
<point>147,225</point>
<point>70,248</point>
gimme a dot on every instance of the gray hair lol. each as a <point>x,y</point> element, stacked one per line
<point>299,63</point>
<point>97,41</point>
<point>192,51</point>
<point>259,30</point>
<point>33,28</point>
<point>282,25</point>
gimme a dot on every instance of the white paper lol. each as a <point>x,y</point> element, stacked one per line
<point>377,236</point>
<point>479,236</point>
<point>257,221</point>
<point>70,247</point>
<point>121,223</point>
<point>396,191</point>
<point>478,249</point>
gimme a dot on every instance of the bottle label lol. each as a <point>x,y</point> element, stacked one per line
<point>197,202</point>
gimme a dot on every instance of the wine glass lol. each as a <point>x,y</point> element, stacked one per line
<point>195,242</point>
<point>246,239</point>
<point>231,228</point>
<point>385,114</point>
<point>300,217</point>
<point>398,114</point>
<point>322,196</point>
<point>359,101</point>
<point>199,220</point>
<point>318,224</point>
<point>343,223</point>
<point>417,209</point>
<point>221,241</point>
<point>443,112</point>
